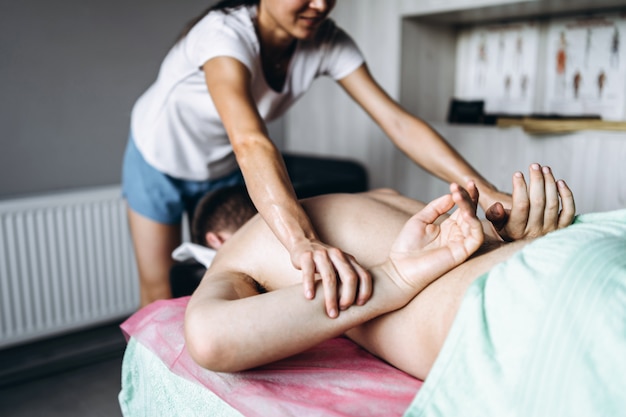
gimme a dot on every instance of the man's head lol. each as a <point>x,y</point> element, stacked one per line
<point>219,214</point>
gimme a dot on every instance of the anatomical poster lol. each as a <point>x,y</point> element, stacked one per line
<point>586,67</point>
<point>498,64</point>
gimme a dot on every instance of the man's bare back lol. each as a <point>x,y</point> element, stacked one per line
<point>361,225</point>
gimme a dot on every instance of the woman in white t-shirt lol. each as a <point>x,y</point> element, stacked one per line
<point>201,126</point>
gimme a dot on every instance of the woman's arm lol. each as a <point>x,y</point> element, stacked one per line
<point>270,188</point>
<point>416,138</point>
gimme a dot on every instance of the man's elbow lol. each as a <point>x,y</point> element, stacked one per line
<point>209,350</point>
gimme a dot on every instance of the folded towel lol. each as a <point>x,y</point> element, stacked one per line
<point>196,252</point>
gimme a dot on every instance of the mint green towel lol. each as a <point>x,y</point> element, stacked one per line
<point>541,334</point>
<point>150,389</point>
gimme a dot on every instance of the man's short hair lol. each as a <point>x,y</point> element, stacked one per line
<point>225,209</point>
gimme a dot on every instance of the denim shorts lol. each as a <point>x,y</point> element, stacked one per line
<point>160,197</point>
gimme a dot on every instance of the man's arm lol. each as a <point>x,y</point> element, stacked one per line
<point>228,327</point>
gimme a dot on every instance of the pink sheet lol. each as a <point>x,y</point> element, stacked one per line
<point>336,378</point>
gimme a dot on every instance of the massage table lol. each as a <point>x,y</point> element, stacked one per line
<point>541,334</point>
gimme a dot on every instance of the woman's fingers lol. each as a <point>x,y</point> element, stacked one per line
<point>568,207</point>
<point>355,282</point>
<point>329,282</point>
<point>307,266</point>
<point>365,283</point>
<point>347,277</point>
<point>537,196</point>
<point>518,217</point>
<point>551,211</point>
<point>344,281</point>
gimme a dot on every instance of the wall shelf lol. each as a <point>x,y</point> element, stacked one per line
<point>559,126</point>
<point>429,71</point>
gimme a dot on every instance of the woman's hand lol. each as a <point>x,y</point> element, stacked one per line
<point>543,206</point>
<point>342,277</point>
<point>491,197</point>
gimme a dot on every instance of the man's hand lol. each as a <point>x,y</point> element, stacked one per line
<point>543,206</point>
<point>423,250</point>
<point>335,268</point>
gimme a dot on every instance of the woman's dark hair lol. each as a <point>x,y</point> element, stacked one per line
<point>224,5</point>
<point>225,209</point>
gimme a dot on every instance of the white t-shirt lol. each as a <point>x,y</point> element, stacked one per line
<point>175,124</point>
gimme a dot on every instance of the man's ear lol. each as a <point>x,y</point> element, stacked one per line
<point>214,240</point>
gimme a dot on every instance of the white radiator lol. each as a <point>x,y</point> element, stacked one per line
<point>66,263</point>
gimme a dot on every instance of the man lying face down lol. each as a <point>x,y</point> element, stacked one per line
<point>249,309</point>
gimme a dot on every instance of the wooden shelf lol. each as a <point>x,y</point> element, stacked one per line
<point>549,126</point>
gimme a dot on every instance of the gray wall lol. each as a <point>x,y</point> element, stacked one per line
<point>70,71</point>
